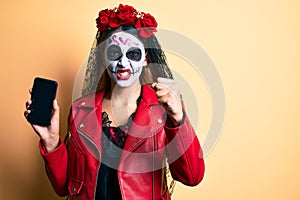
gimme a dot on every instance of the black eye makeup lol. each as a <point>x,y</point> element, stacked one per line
<point>134,54</point>
<point>113,53</point>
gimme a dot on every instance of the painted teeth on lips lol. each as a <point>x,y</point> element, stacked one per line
<point>123,74</point>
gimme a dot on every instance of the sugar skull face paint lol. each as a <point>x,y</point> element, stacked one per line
<point>125,58</point>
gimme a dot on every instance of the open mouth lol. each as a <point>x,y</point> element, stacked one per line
<point>123,74</point>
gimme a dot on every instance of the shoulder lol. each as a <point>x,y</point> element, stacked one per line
<point>84,105</point>
<point>89,100</point>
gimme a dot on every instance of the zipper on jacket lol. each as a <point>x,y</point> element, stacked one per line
<point>99,156</point>
<point>76,144</point>
<point>91,141</point>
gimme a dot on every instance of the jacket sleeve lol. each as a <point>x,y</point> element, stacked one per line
<point>56,164</point>
<point>184,153</point>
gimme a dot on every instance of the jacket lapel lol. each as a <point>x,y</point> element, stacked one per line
<point>147,120</point>
<point>88,121</point>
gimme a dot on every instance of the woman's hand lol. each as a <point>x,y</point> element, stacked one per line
<point>48,134</point>
<point>168,93</point>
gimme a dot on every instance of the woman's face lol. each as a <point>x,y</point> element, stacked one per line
<point>125,58</point>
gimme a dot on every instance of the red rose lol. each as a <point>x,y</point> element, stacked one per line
<point>103,20</point>
<point>126,15</point>
<point>114,21</point>
<point>146,25</point>
<point>126,9</point>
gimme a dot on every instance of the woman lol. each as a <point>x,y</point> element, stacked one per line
<point>129,126</point>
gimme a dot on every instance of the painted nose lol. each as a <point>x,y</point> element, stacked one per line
<point>123,62</point>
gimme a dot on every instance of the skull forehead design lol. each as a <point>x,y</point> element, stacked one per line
<point>124,39</point>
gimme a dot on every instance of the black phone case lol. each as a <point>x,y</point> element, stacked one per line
<point>42,96</point>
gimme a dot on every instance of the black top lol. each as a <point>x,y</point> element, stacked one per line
<point>113,140</point>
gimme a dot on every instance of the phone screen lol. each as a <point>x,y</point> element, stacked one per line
<point>42,96</point>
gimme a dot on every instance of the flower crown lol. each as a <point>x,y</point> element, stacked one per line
<point>127,15</point>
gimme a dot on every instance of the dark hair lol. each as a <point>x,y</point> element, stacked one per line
<point>156,59</point>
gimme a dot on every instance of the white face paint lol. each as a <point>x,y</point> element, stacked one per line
<point>125,58</point>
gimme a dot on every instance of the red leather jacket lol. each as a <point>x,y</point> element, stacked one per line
<point>73,167</point>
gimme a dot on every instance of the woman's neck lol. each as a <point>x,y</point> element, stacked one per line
<point>124,95</point>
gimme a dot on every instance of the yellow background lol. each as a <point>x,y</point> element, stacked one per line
<point>254,44</point>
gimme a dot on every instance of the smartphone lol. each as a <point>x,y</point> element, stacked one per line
<point>42,96</point>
